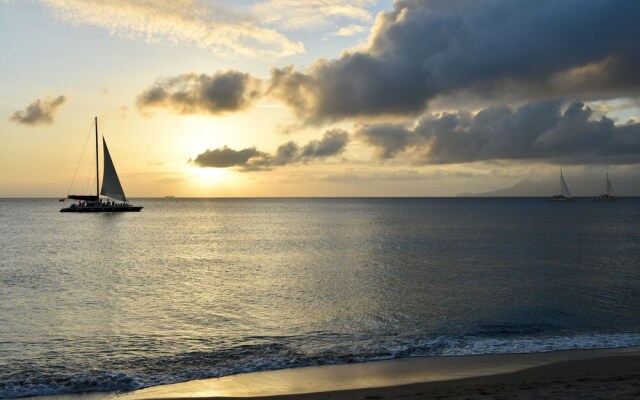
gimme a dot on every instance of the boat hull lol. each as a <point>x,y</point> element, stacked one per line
<point>561,198</point>
<point>99,209</point>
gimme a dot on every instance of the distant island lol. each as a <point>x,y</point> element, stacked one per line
<point>581,186</point>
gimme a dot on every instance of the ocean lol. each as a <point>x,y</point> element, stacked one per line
<point>197,288</point>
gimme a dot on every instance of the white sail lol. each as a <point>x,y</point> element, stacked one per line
<point>111,186</point>
<point>565,189</point>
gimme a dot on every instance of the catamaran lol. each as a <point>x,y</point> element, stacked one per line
<point>609,195</point>
<point>111,189</point>
<point>565,194</point>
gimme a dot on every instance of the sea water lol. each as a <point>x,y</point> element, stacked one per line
<point>196,288</point>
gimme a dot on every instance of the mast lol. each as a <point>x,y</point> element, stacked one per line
<point>608,185</point>
<point>97,173</point>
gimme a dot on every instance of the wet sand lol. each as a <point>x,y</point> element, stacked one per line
<point>584,374</point>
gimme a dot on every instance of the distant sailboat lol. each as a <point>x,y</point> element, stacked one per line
<point>111,188</point>
<point>565,194</point>
<point>609,195</point>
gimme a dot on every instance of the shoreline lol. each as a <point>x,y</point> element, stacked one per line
<point>558,374</point>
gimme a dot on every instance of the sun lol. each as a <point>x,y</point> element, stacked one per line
<point>210,176</point>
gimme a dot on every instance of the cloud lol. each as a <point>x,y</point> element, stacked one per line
<point>423,50</point>
<point>226,157</point>
<point>396,176</point>
<point>332,143</point>
<point>312,14</point>
<point>285,154</point>
<point>387,139</point>
<point>366,176</point>
<point>39,112</point>
<point>535,131</point>
<point>196,22</point>
<point>190,93</point>
<point>170,179</point>
<point>350,30</point>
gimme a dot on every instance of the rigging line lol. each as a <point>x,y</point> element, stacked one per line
<point>89,183</point>
<point>80,161</point>
<point>91,186</point>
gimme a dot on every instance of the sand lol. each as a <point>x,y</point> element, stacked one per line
<point>583,374</point>
<point>603,378</point>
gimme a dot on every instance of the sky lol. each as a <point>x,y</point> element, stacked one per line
<point>320,97</point>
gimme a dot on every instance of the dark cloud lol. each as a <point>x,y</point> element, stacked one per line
<point>39,112</point>
<point>535,131</point>
<point>226,157</point>
<point>387,139</point>
<point>190,93</point>
<point>424,49</point>
<point>332,143</point>
<point>286,153</point>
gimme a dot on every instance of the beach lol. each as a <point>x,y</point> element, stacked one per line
<point>600,378</point>
<point>597,374</point>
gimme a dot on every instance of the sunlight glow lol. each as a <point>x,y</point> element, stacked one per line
<point>210,176</point>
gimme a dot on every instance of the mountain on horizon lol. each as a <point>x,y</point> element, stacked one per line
<point>581,186</point>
